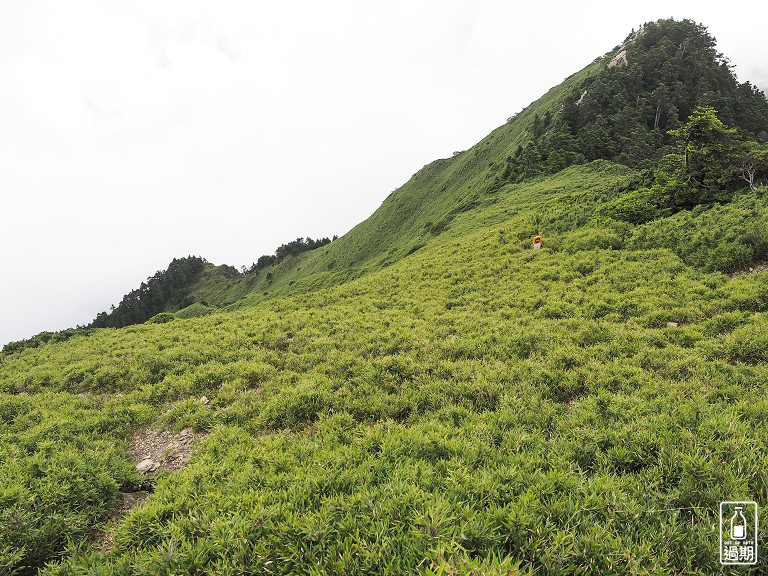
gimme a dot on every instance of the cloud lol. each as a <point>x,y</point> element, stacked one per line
<point>155,47</point>
<point>227,46</point>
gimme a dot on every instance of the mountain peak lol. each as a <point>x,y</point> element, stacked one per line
<point>624,108</point>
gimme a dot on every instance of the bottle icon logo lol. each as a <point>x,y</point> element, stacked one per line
<point>738,524</point>
<point>738,533</point>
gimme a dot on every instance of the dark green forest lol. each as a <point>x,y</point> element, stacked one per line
<point>625,114</point>
<point>167,288</point>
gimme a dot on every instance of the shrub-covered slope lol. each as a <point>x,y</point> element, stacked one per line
<point>476,406</point>
<point>619,108</point>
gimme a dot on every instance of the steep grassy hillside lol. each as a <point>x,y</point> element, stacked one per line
<point>412,215</point>
<point>619,108</point>
<point>475,407</point>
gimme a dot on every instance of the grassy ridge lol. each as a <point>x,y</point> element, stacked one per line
<point>621,113</point>
<point>473,407</point>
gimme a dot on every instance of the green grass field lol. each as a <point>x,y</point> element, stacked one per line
<point>471,408</point>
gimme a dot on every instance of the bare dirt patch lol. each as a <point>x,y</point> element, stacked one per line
<point>164,450</point>
<point>152,451</point>
<point>754,269</point>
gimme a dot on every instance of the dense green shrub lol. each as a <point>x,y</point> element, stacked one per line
<point>718,237</point>
<point>370,428</point>
<point>162,318</point>
<point>591,239</point>
<point>748,343</point>
<point>61,465</point>
<point>637,207</point>
<point>195,311</point>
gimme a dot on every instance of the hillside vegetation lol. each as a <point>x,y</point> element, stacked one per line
<point>427,394</point>
<point>474,405</point>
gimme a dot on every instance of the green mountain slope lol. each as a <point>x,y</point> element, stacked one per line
<point>476,405</point>
<point>425,394</point>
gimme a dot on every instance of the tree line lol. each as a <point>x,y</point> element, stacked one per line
<point>283,251</point>
<point>44,338</point>
<point>166,289</point>
<point>169,289</point>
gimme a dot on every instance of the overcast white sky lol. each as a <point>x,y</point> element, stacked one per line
<point>135,132</point>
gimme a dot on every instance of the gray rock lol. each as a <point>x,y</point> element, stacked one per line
<point>145,466</point>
